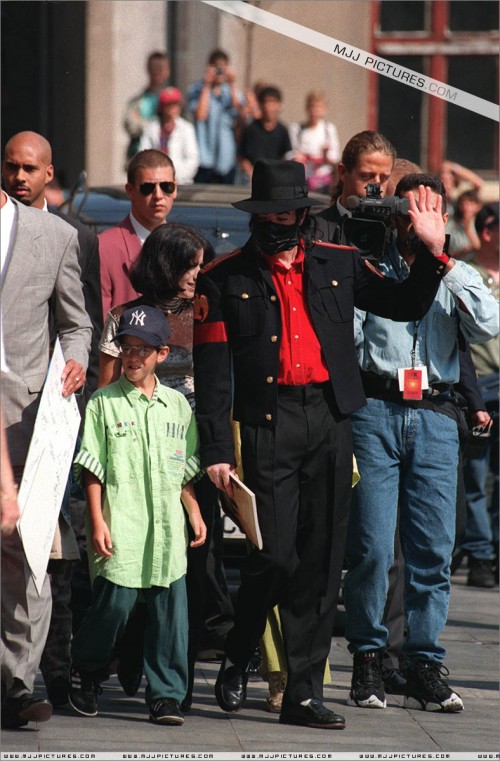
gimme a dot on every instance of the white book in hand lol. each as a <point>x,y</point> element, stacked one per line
<point>242,509</point>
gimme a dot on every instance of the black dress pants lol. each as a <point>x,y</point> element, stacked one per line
<point>301,473</point>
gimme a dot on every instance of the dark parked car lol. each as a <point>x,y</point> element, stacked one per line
<point>206,207</point>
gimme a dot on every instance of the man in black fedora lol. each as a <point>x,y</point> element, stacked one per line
<point>274,343</point>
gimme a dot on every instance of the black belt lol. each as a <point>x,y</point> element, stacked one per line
<point>379,386</point>
<point>288,390</point>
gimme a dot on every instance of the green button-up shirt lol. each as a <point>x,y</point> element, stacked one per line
<point>143,451</point>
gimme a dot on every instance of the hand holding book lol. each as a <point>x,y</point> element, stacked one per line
<point>242,509</point>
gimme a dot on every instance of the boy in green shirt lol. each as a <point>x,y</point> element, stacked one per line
<point>139,454</point>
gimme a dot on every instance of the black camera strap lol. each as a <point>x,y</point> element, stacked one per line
<point>416,325</point>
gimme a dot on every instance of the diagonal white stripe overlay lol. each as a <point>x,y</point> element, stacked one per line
<point>358,56</point>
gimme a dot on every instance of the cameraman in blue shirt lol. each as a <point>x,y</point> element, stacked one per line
<point>406,445</point>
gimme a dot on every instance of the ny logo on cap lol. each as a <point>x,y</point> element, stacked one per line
<point>138,318</point>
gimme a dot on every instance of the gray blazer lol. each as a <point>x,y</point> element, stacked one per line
<point>41,294</point>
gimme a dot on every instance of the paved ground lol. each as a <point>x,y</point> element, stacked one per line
<point>471,638</point>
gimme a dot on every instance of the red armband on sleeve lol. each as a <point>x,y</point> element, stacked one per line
<point>444,258</point>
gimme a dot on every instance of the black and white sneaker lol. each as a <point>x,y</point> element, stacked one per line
<point>83,691</point>
<point>166,711</point>
<point>427,690</point>
<point>367,685</point>
<point>394,681</point>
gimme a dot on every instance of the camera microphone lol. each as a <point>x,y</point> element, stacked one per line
<point>369,226</point>
<point>352,202</point>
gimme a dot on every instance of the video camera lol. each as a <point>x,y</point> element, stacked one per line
<point>368,229</point>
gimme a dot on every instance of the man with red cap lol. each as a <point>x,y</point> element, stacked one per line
<point>274,342</point>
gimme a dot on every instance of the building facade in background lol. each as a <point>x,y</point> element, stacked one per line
<point>68,69</point>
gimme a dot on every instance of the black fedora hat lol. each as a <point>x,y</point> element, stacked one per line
<point>277,186</point>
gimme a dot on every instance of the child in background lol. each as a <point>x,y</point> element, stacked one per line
<point>464,240</point>
<point>139,454</point>
<point>315,143</point>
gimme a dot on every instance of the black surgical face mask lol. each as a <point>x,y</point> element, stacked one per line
<point>272,238</point>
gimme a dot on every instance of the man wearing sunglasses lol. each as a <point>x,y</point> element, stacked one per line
<point>152,189</point>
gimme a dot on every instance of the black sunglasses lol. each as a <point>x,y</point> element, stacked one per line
<point>146,188</point>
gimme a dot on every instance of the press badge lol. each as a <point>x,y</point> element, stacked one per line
<point>412,381</point>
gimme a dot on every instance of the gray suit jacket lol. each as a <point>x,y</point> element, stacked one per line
<point>41,287</point>
<point>89,262</point>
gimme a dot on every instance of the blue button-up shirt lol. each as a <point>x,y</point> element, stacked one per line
<point>462,301</point>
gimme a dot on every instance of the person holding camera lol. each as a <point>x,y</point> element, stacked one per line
<point>274,333</point>
<point>406,446</point>
<point>368,157</point>
<point>214,103</point>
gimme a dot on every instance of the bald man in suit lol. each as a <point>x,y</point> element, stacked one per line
<point>41,292</point>
<point>27,170</point>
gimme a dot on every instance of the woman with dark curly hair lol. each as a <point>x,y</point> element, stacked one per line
<point>165,274</point>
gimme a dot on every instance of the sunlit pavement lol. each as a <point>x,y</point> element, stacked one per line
<point>471,639</point>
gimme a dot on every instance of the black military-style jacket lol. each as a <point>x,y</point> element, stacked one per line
<point>328,224</point>
<point>237,332</point>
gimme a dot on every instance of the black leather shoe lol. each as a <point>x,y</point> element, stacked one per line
<point>17,712</point>
<point>313,715</point>
<point>231,687</point>
<point>481,573</point>
<point>57,691</point>
<point>255,664</point>
<point>130,677</point>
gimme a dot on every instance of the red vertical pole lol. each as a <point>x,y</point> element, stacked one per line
<point>436,145</point>
<point>372,75</point>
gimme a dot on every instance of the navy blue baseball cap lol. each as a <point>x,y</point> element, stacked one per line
<point>145,322</point>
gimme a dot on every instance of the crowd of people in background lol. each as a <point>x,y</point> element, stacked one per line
<point>224,129</point>
<point>299,363</point>
<point>217,130</point>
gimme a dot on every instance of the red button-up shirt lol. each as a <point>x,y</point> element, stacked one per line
<point>301,359</point>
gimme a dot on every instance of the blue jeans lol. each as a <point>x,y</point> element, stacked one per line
<point>409,456</point>
<point>480,539</point>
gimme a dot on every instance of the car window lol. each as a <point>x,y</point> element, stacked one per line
<point>205,207</point>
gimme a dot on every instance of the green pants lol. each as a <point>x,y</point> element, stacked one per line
<point>165,636</point>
